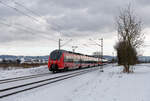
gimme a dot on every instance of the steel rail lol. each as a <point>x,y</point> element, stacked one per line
<point>41,83</point>
<point>22,78</point>
<point>25,77</point>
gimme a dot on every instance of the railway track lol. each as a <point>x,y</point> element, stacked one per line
<point>25,86</point>
<point>26,77</point>
<point>22,78</point>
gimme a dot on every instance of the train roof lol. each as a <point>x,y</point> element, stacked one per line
<point>62,51</point>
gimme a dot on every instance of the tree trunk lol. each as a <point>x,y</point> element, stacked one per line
<point>126,69</point>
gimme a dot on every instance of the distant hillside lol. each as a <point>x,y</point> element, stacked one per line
<point>106,57</point>
<point>25,57</point>
<point>7,56</point>
<point>109,57</point>
<point>144,58</point>
<point>141,58</point>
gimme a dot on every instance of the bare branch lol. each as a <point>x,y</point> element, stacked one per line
<point>130,37</point>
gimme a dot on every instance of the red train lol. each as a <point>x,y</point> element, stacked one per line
<point>64,60</point>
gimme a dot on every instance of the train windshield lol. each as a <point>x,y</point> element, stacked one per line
<point>55,55</point>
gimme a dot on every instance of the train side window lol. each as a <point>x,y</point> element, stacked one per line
<point>65,59</point>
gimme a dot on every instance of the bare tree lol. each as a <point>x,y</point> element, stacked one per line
<point>130,38</point>
<point>126,55</point>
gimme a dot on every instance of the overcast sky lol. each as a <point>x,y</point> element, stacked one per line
<point>33,27</point>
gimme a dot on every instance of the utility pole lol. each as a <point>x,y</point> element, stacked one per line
<point>101,51</point>
<point>102,54</point>
<point>74,47</point>
<point>59,43</point>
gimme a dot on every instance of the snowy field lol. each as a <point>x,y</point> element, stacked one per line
<point>4,74</point>
<point>110,85</point>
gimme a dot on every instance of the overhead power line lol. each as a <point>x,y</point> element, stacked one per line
<point>31,11</point>
<point>19,11</point>
<point>25,30</point>
<point>29,28</point>
<point>27,15</point>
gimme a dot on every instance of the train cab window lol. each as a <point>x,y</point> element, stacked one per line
<point>55,55</point>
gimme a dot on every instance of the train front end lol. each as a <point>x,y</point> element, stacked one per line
<point>55,62</point>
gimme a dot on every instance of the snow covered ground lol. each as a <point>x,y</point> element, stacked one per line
<point>4,74</point>
<point>110,85</point>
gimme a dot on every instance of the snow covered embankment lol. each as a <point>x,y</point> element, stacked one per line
<point>4,74</point>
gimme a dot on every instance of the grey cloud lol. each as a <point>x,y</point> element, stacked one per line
<point>71,4</point>
<point>73,17</point>
<point>82,22</point>
<point>14,35</point>
<point>143,2</point>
